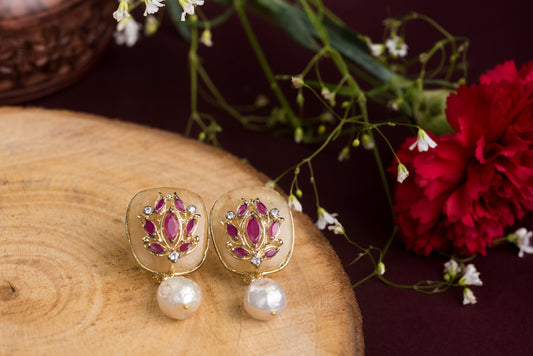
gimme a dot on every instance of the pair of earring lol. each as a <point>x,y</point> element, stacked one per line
<point>168,230</point>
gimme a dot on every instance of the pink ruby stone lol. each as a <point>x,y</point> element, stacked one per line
<point>270,253</point>
<point>157,248</point>
<point>253,229</point>
<point>273,230</point>
<point>242,209</point>
<point>180,205</point>
<point>185,247</point>
<point>159,205</point>
<point>239,251</point>
<point>171,226</point>
<point>261,208</point>
<point>149,227</point>
<point>191,227</point>
<point>232,230</point>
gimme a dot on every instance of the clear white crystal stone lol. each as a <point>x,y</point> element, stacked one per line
<point>264,299</point>
<point>179,297</point>
<point>169,196</point>
<point>191,209</point>
<point>256,260</point>
<point>148,210</point>
<point>274,213</point>
<point>173,256</point>
<point>230,215</point>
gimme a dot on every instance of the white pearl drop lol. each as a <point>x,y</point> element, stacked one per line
<point>264,299</point>
<point>179,297</point>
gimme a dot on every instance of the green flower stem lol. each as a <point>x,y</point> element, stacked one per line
<point>239,7</point>
<point>313,183</point>
<point>356,90</point>
<point>425,287</point>
<point>193,65</point>
<point>218,96</point>
<point>364,279</point>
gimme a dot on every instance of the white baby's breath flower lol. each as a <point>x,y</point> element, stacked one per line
<point>470,277</point>
<point>328,95</point>
<point>297,82</point>
<point>381,268</point>
<point>294,204</point>
<point>403,173</point>
<point>127,32</point>
<point>188,7</point>
<point>122,12</point>
<point>337,228</point>
<point>468,296</point>
<point>423,141</point>
<point>151,25</point>
<point>271,184</point>
<point>451,268</point>
<point>206,38</point>
<point>152,6</point>
<point>298,135</point>
<point>261,101</point>
<point>368,142</point>
<point>344,154</point>
<point>522,239</point>
<point>376,49</point>
<point>396,46</point>
<point>324,218</point>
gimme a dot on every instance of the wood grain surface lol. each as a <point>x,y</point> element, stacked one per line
<point>68,282</point>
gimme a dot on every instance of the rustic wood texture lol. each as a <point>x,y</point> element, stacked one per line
<point>68,282</point>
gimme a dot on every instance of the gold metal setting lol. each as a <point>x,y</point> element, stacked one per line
<point>241,243</point>
<point>160,243</point>
<point>252,262</point>
<point>174,257</point>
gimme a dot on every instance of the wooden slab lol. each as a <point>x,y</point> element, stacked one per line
<point>68,282</point>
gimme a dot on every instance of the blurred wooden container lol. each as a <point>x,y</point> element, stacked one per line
<point>46,45</point>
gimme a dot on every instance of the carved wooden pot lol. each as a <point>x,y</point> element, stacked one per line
<point>46,45</point>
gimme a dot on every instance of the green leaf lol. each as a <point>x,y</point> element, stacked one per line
<point>348,43</point>
<point>296,24</point>
<point>290,19</point>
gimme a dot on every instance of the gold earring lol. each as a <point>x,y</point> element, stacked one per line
<point>167,230</point>
<point>253,234</point>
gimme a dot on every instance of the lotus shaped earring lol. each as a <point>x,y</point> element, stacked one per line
<point>253,235</point>
<point>167,231</point>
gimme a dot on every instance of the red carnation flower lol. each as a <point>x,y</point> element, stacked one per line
<point>461,194</point>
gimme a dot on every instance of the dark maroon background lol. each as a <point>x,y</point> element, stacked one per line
<point>149,84</point>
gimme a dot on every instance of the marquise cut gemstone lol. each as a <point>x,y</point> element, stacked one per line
<point>261,208</point>
<point>239,251</point>
<point>232,230</point>
<point>179,204</point>
<point>191,227</point>
<point>271,253</point>
<point>253,229</point>
<point>149,227</point>
<point>242,209</point>
<point>159,205</point>
<point>171,226</point>
<point>185,247</point>
<point>157,248</point>
<point>273,230</point>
